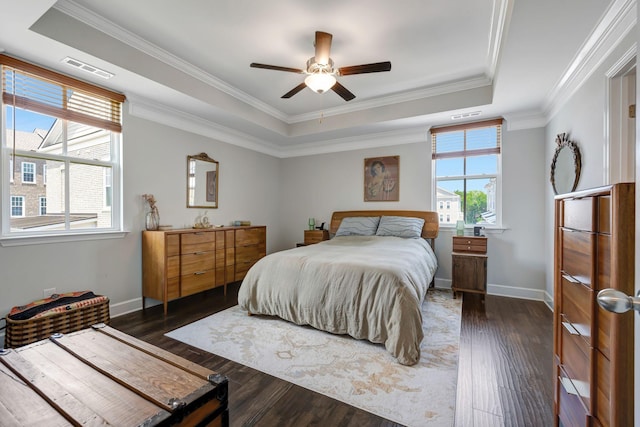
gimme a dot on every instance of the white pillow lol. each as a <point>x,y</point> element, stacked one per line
<point>400,226</point>
<point>358,226</point>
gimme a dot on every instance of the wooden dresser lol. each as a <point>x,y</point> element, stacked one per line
<point>177,263</point>
<point>593,348</point>
<point>469,265</point>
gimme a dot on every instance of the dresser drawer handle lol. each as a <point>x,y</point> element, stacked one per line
<point>569,327</point>
<point>199,253</point>
<point>569,278</point>
<point>198,273</point>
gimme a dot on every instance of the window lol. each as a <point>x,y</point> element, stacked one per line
<point>466,164</point>
<point>28,173</point>
<point>17,206</point>
<point>70,130</point>
<point>43,205</point>
<point>441,204</point>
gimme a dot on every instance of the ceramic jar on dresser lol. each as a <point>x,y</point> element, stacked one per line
<point>593,348</point>
<point>177,263</point>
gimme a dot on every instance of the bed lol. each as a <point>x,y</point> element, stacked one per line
<point>367,286</point>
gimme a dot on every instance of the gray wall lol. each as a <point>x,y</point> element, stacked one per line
<point>155,161</point>
<point>583,117</point>
<point>315,186</point>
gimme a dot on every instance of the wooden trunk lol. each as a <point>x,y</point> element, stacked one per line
<point>100,376</point>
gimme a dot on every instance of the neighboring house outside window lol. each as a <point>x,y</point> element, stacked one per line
<point>75,153</point>
<point>466,164</point>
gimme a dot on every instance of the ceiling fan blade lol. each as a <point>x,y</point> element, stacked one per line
<point>323,47</point>
<point>376,67</point>
<point>343,92</point>
<point>294,90</point>
<point>276,67</point>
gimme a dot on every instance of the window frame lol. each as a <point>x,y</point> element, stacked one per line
<point>23,165</point>
<point>108,118</point>
<point>22,207</point>
<point>470,153</point>
<point>41,205</point>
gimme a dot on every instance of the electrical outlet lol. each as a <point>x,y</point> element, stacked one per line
<point>46,293</point>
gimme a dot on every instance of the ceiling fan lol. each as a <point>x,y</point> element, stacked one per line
<point>321,76</point>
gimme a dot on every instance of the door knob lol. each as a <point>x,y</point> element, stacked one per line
<point>618,302</point>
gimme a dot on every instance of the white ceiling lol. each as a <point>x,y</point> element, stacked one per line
<point>187,63</point>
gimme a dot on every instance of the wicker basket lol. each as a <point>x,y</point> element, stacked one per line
<point>23,332</point>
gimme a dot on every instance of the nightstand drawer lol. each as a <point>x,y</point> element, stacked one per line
<point>470,244</point>
<point>315,236</point>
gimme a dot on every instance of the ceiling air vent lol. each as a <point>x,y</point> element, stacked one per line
<point>88,68</point>
<point>465,115</point>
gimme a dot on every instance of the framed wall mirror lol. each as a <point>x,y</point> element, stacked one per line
<point>565,166</point>
<point>202,181</point>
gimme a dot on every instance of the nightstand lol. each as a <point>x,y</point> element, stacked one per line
<point>315,236</point>
<point>469,265</point>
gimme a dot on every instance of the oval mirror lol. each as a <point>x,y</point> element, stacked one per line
<point>202,181</point>
<point>565,166</point>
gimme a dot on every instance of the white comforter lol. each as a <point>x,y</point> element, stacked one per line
<point>368,287</point>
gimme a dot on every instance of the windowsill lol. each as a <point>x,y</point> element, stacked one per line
<point>468,231</point>
<point>60,238</point>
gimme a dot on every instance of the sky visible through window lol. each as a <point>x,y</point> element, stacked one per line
<point>476,165</point>
<point>28,121</point>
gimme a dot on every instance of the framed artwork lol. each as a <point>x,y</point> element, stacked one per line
<point>382,179</point>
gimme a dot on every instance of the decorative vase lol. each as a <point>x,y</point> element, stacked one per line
<point>460,228</point>
<point>312,223</point>
<point>152,220</point>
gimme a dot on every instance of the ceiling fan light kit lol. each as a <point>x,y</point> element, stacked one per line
<point>320,82</point>
<point>321,76</point>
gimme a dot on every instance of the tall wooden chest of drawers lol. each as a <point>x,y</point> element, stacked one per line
<point>178,263</point>
<point>593,348</point>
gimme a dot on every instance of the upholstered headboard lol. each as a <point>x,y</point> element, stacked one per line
<point>429,229</point>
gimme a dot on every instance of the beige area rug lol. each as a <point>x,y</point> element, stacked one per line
<point>356,372</point>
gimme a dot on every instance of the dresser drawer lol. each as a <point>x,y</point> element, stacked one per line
<point>604,214</point>
<point>196,262</point>
<point>470,244</point>
<point>603,389</point>
<point>198,242</point>
<point>578,214</point>
<point>173,266</point>
<point>578,255</point>
<point>603,325</point>
<point>173,288</point>
<point>197,282</point>
<point>575,359</point>
<point>571,409</point>
<point>577,306</point>
<point>250,236</point>
<point>172,243</point>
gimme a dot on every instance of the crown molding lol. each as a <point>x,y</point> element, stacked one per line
<point>525,120</point>
<point>458,86</point>
<point>88,17</point>
<point>156,112</point>
<point>82,14</point>
<point>616,23</point>
<point>364,141</point>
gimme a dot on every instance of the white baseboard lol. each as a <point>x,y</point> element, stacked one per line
<point>125,307</point>
<point>505,291</point>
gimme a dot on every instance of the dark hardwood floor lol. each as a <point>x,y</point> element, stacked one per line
<point>504,374</point>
